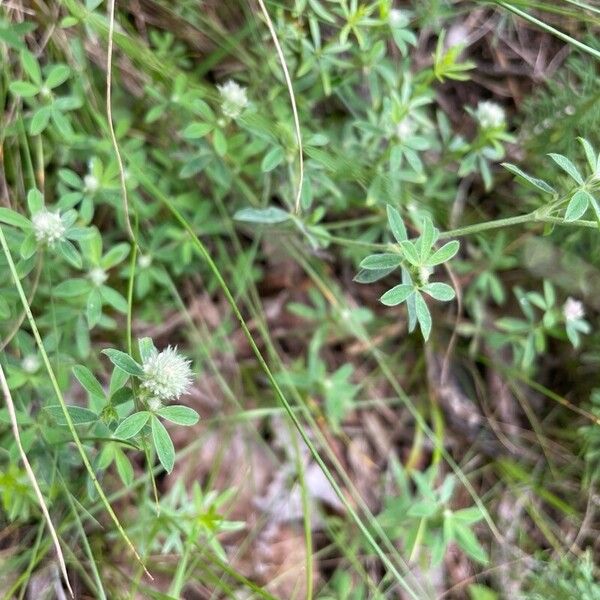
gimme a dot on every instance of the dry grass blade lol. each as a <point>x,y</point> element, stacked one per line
<point>31,475</point>
<point>288,82</point>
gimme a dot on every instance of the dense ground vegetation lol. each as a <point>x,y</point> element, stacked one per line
<point>299,299</point>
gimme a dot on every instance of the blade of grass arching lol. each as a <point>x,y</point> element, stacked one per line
<point>306,515</point>
<point>99,590</point>
<point>61,400</point>
<point>254,306</point>
<point>31,475</point>
<point>253,303</point>
<point>549,29</point>
<point>32,563</point>
<point>159,195</point>
<point>363,336</point>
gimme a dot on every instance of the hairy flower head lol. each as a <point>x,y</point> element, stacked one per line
<point>30,363</point>
<point>97,276</point>
<point>398,18</point>
<point>167,375</point>
<point>48,227</point>
<point>490,115</point>
<point>573,310</point>
<point>405,128</point>
<point>233,97</point>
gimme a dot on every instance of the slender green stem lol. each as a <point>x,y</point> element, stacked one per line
<point>61,400</point>
<point>155,191</point>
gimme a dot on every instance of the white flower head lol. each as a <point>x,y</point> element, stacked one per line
<point>233,98</point>
<point>405,128</point>
<point>398,18</point>
<point>48,227</point>
<point>30,363</point>
<point>167,375</point>
<point>573,310</point>
<point>97,276</point>
<point>490,115</point>
<point>91,183</point>
<point>144,261</point>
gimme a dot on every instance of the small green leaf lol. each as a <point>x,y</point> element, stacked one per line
<point>40,119</point>
<point>88,381</point>
<point>28,246</point>
<point>94,308</point>
<point>446,252</point>
<point>12,217</point>
<point>423,315</point>
<point>272,159</point>
<point>427,238</point>
<point>196,131</point>
<point>371,275</point>
<point>58,74</point>
<point>567,166</point>
<point>132,425</point>
<point>31,66</point>
<point>147,348</point>
<point>396,224</point>
<point>381,261</point>
<point>578,205</point>
<point>422,509</point>
<point>23,89</point>
<point>468,542</point>
<point>115,255</point>
<point>124,468</point>
<point>124,362</point>
<point>71,288</point>
<point>590,154</point>
<point>410,253</point>
<point>78,414</point>
<point>35,200</point>
<point>163,444</point>
<point>267,216</point>
<point>533,181</point>
<point>440,291</point>
<point>178,414</point>
<point>397,294</point>
<point>69,253</point>
<point>113,298</point>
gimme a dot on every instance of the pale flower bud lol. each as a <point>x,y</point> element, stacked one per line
<point>490,115</point>
<point>167,375</point>
<point>233,98</point>
<point>48,226</point>
<point>573,310</point>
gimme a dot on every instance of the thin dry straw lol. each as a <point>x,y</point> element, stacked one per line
<point>15,427</point>
<point>288,81</point>
<point>109,118</point>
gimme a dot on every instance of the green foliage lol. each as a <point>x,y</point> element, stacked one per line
<point>397,134</point>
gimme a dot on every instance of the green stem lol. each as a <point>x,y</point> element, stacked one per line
<point>155,191</point>
<point>61,400</point>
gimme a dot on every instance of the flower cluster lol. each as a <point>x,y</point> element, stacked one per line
<point>233,98</point>
<point>405,128</point>
<point>490,115</point>
<point>48,227</point>
<point>167,375</point>
<point>573,310</point>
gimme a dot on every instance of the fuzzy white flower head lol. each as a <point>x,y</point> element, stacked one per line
<point>144,261</point>
<point>573,310</point>
<point>398,18</point>
<point>405,128</point>
<point>48,226</point>
<point>490,115</point>
<point>91,183</point>
<point>97,276</point>
<point>234,99</point>
<point>30,363</point>
<point>167,375</point>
